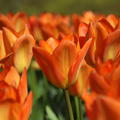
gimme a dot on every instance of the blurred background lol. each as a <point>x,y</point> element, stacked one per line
<point>60,6</point>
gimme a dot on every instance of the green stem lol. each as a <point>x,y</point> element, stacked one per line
<point>77,106</point>
<point>69,106</point>
<point>81,113</point>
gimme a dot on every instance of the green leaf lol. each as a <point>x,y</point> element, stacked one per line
<point>35,85</point>
<point>50,114</point>
<point>37,112</point>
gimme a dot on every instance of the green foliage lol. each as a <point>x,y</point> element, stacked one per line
<point>60,6</point>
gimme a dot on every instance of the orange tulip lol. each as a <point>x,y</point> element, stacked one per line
<point>105,44</point>
<point>15,103</point>
<point>104,108</point>
<point>20,46</point>
<point>105,79</point>
<point>61,66</point>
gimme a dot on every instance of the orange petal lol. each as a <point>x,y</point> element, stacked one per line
<point>23,51</point>
<point>22,88</point>
<point>7,61</point>
<point>82,30</point>
<point>98,83</point>
<point>113,20</point>
<point>81,83</point>
<point>46,46</point>
<point>52,42</point>
<point>106,25</point>
<point>74,70</point>
<point>50,67</point>
<point>7,93</point>
<point>5,22</point>
<point>15,111</point>
<point>65,55</point>
<point>112,46</point>
<point>27,107</point>
<point>9,36</point>
<point>106,108</point>
<point>115,82</point>
<point>19,21</point>
<point>12,78</point>
<point>4,111</point>
<point>2,46</point>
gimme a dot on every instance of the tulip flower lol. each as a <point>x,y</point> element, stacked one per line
<point>49,25</point>
<point>61,66</point>
<point>105,79</point>
<point>18,45</point>
<point>104,108</point>
<point>105,44</point>
<point>15,102</point>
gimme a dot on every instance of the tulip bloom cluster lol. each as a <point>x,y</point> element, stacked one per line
<point>80,54</point>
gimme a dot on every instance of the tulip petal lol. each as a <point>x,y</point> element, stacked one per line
<point>26,109</point>
<point>98,83</point>
<point>49,66</point>
<point>12,78</point>
<point>7,93</point>
<point>22,88</point>
<point>7,61</point>
<point>74,70</point>
<point>2,46</point>
<point>113,20</point>
<point>81,83</point>
<point>23,51</point>
<point>4,111</point>
<point>106,108</point>
<point>65,55</point>
<point>15,111</point>
<point>112,46</point>
<point>46,46</point>
<point>9,36</point>
<point>5,22</point>
<point>19,21</point>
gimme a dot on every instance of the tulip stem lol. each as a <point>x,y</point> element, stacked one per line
<point>81,113</point>
<point>77,106</point>
<point>69,106</point>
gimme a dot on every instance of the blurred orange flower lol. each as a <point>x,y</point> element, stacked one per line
<point>16,49</point>
<point>15,103</point>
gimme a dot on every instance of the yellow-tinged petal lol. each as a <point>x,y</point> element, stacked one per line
<point>52,42</point>
<point>4,110</point>
<point>65,55</point>
<point>112,46</point>
<point>23,51</point>
<point>19,21</point>
<point>81,83</point>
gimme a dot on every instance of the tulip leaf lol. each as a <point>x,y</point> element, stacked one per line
<point>35,85</point>
<point>50,114</point>
<point>37,111</point>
